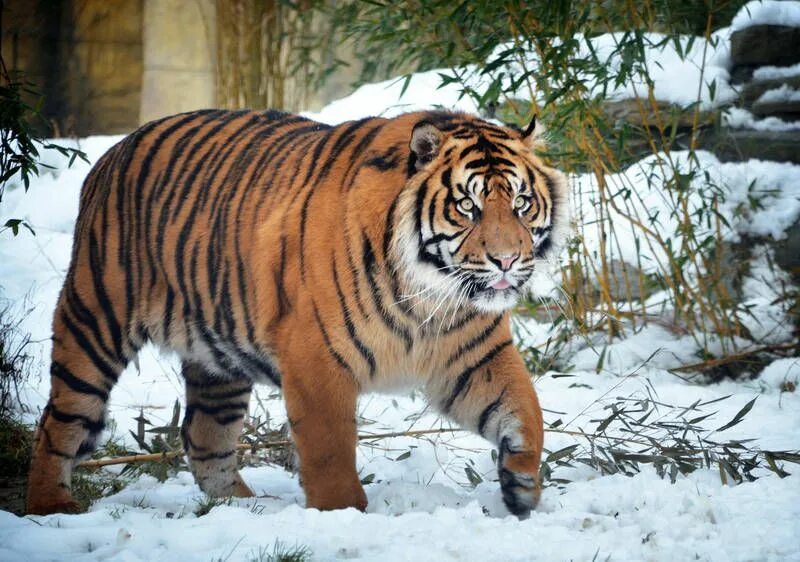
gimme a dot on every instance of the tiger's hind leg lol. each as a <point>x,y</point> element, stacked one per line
<point>214,418</point>
<point>87,359</point>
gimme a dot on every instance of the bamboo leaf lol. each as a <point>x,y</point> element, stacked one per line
<point>739,415</point>
<point>561,453</point>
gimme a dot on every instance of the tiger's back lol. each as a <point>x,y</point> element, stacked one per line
<point>167,224</point>
<point>267,247</point>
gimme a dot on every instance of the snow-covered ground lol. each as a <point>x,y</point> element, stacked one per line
<point>422,504</point>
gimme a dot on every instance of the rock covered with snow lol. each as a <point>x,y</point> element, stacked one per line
<point>764,33</point>
<point>767,12</point>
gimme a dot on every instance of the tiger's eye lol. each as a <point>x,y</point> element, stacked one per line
<point>466,205</point>
<point>520,203</point>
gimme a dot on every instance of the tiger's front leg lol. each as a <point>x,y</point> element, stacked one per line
<point>491,393</point>
<point>320,397</point>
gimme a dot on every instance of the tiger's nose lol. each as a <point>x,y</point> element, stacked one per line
<point>504,262</point>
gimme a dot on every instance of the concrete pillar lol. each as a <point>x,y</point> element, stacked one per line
<point>179,51</point>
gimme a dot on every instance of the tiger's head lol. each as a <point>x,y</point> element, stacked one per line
<point>478,212</point>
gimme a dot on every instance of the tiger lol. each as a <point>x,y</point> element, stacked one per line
<point>326,260</point>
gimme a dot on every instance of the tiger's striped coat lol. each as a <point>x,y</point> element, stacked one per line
<point>329,261</point>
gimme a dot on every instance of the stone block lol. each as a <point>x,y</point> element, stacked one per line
<point>787,110</point>
<point>751,91</point>
<point>743,144</point>
<point>763,45</point>
<point>787,251</point>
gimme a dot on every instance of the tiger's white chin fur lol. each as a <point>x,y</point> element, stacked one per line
<point>496,301</point>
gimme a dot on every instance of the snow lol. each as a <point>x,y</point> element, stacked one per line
<point>384,99</point>
<point>774,183</point>
<point>417,511</point>
<point>773,72</point>
<point>782,94</point>
<point>698,519</point>
<point>767,12</point>
<point>422,505</point>
<point>738,118</point>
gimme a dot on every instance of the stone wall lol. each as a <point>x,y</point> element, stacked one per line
<point>84,57</point>
<point>107,66</point>
<point>178,57</point>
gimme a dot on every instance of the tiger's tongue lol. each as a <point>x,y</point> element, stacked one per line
<point>502,284</point>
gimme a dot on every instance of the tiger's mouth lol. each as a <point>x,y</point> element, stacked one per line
<point>497,293</point>
<point>501,285</point>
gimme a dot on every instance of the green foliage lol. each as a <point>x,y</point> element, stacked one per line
<point>21,139</point>
<point>281,552</point>
<point>88,487</point>
<point>207,503</point>
<point>414,35</point>
<point>16,442</point>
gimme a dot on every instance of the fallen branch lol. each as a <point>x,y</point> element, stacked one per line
<point>97,463</point>
<point>735,357</point>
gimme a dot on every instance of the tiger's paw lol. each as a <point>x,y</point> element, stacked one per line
<point>519,479</point>
<point>341,496</point>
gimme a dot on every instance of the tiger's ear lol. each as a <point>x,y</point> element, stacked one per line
<point>534,135</point>
<point>425,142</point>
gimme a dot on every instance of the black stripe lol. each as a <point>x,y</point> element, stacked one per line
<point>388,160</point>
<point>169,303</point>
<point>213,456</point>
<point>356,278</point>
<point>224,395</point>
<point>62,373</point>
<point>303,219</point>
<point>339,359</point>
<point>321,143</point>
<point>64,417</point>
<point>488,411</point>
<point>480,163</point>
<point>365,352</point>
<point>463,321</point>
<point>218,408</point>
<point>51,449</point>
<point>357,151</point>
<point>388,228</point>
<point>82,340</point>
<point>442,237</point>
<point>368,262</point>
<point>464,378</point>
<point>83,315</point>
<point>279,277</point>
<point>474,342</point>
<point>341,143</point>
<point>102,296</point>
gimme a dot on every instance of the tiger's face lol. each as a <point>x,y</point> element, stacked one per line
<point>480,211</point>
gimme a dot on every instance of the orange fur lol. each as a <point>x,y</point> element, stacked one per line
<point>332,261</point>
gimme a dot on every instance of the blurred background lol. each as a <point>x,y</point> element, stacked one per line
<point>106,66</point>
